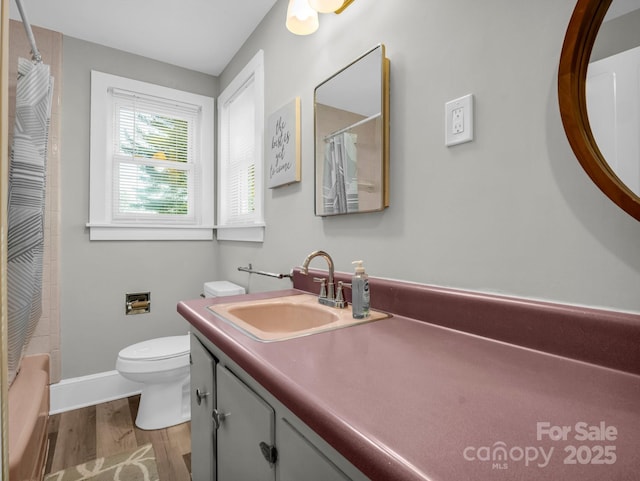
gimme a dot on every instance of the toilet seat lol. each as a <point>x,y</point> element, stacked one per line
<point>156,349</point>
<point>161,355</point>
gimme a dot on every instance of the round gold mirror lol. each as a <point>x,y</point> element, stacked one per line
<point>586,21</point>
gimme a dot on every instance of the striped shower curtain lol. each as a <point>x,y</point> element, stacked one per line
<point>340,174</point>
<point>25,231</point>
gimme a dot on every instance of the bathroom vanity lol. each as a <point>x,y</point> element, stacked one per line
<point>453,386</point>
<point>240,432</point>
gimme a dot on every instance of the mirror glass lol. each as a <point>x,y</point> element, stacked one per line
<point>611,161</point>
<point>352,137</point>
<point>613,91</point>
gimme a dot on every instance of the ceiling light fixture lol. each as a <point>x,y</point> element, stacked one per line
<point>301,18</point>
<point>326,6</point>
<point>302,15</point>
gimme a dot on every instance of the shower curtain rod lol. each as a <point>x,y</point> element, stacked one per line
<point>352,126</point>
<point>35,53</point>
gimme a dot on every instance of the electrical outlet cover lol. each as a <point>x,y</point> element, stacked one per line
<point>458,121</point>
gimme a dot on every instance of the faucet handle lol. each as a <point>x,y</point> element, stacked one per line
<point>340,302</point>
<point>339,296</point>
<point>323,286</point>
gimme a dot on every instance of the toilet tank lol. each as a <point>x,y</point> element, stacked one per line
<point>222,288</point>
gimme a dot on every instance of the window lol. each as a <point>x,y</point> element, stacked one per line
<point>240,159</point>
<point>151,161</point>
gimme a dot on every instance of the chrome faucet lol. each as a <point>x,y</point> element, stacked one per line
<point>327,296</point>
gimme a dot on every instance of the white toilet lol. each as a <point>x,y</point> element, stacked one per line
<point>162,367</point>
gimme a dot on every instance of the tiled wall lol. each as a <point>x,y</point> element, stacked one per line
<point>46,338</point>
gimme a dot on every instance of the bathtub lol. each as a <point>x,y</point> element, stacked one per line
<point>29,419</point>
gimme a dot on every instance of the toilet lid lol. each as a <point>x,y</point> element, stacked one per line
<point>155,349</point>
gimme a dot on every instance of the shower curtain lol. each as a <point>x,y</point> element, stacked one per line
<point>25,230</point>
<point>340,181</point>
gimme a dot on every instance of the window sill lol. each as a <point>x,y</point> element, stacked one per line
<point>240,233</point>
<point>146,233</point>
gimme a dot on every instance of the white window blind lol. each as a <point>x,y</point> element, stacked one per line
<point>154,152</point>
<point>239,152</point>
<point>241,114</point>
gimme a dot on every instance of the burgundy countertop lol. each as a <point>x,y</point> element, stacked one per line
<point>404,399</point>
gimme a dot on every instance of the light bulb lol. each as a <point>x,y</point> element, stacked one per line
<point>301,18</point>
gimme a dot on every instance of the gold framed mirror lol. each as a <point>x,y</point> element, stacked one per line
<point>351,130</point>
<point>580,38</point>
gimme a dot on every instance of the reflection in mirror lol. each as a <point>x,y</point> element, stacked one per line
<point>613,91</point>
<point>352,137</point>
<point>602,159</point>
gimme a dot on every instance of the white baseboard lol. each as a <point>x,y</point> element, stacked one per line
<point>79,392</point>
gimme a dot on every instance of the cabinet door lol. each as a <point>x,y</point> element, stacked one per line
<point>203,435</point>
<point>301,460</point>
<point>247,425</point>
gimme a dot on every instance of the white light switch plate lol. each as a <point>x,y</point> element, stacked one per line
<point>458,120</point>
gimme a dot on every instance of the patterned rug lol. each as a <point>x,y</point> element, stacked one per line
<point>136,465</point>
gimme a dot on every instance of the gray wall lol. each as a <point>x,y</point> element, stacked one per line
<point>96,275</point>
<point>512,212</point>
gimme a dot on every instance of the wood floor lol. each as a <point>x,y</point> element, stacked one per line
<point>82,435</point>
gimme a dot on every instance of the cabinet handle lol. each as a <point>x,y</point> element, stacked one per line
<point>219,417</point>
<point>269,452</point>
<point>200,396</point>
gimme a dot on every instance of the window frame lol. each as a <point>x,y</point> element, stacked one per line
<point>229,227</point>
<point>103,224</point>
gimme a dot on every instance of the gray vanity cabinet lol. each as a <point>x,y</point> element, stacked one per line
<point>203,396</point>
<point>246,433</point>
<point>239,431</point>
<point>230,424</point>
<point>301,460</point>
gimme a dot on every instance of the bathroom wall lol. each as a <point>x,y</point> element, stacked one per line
<point>96,275</point>
<point>511,212</point>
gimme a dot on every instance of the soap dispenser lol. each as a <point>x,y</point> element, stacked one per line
<point>360,292</point>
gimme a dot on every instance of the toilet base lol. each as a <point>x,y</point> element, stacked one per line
<point>163,405</point>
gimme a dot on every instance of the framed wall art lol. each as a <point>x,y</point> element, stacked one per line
<point>283,145</point>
